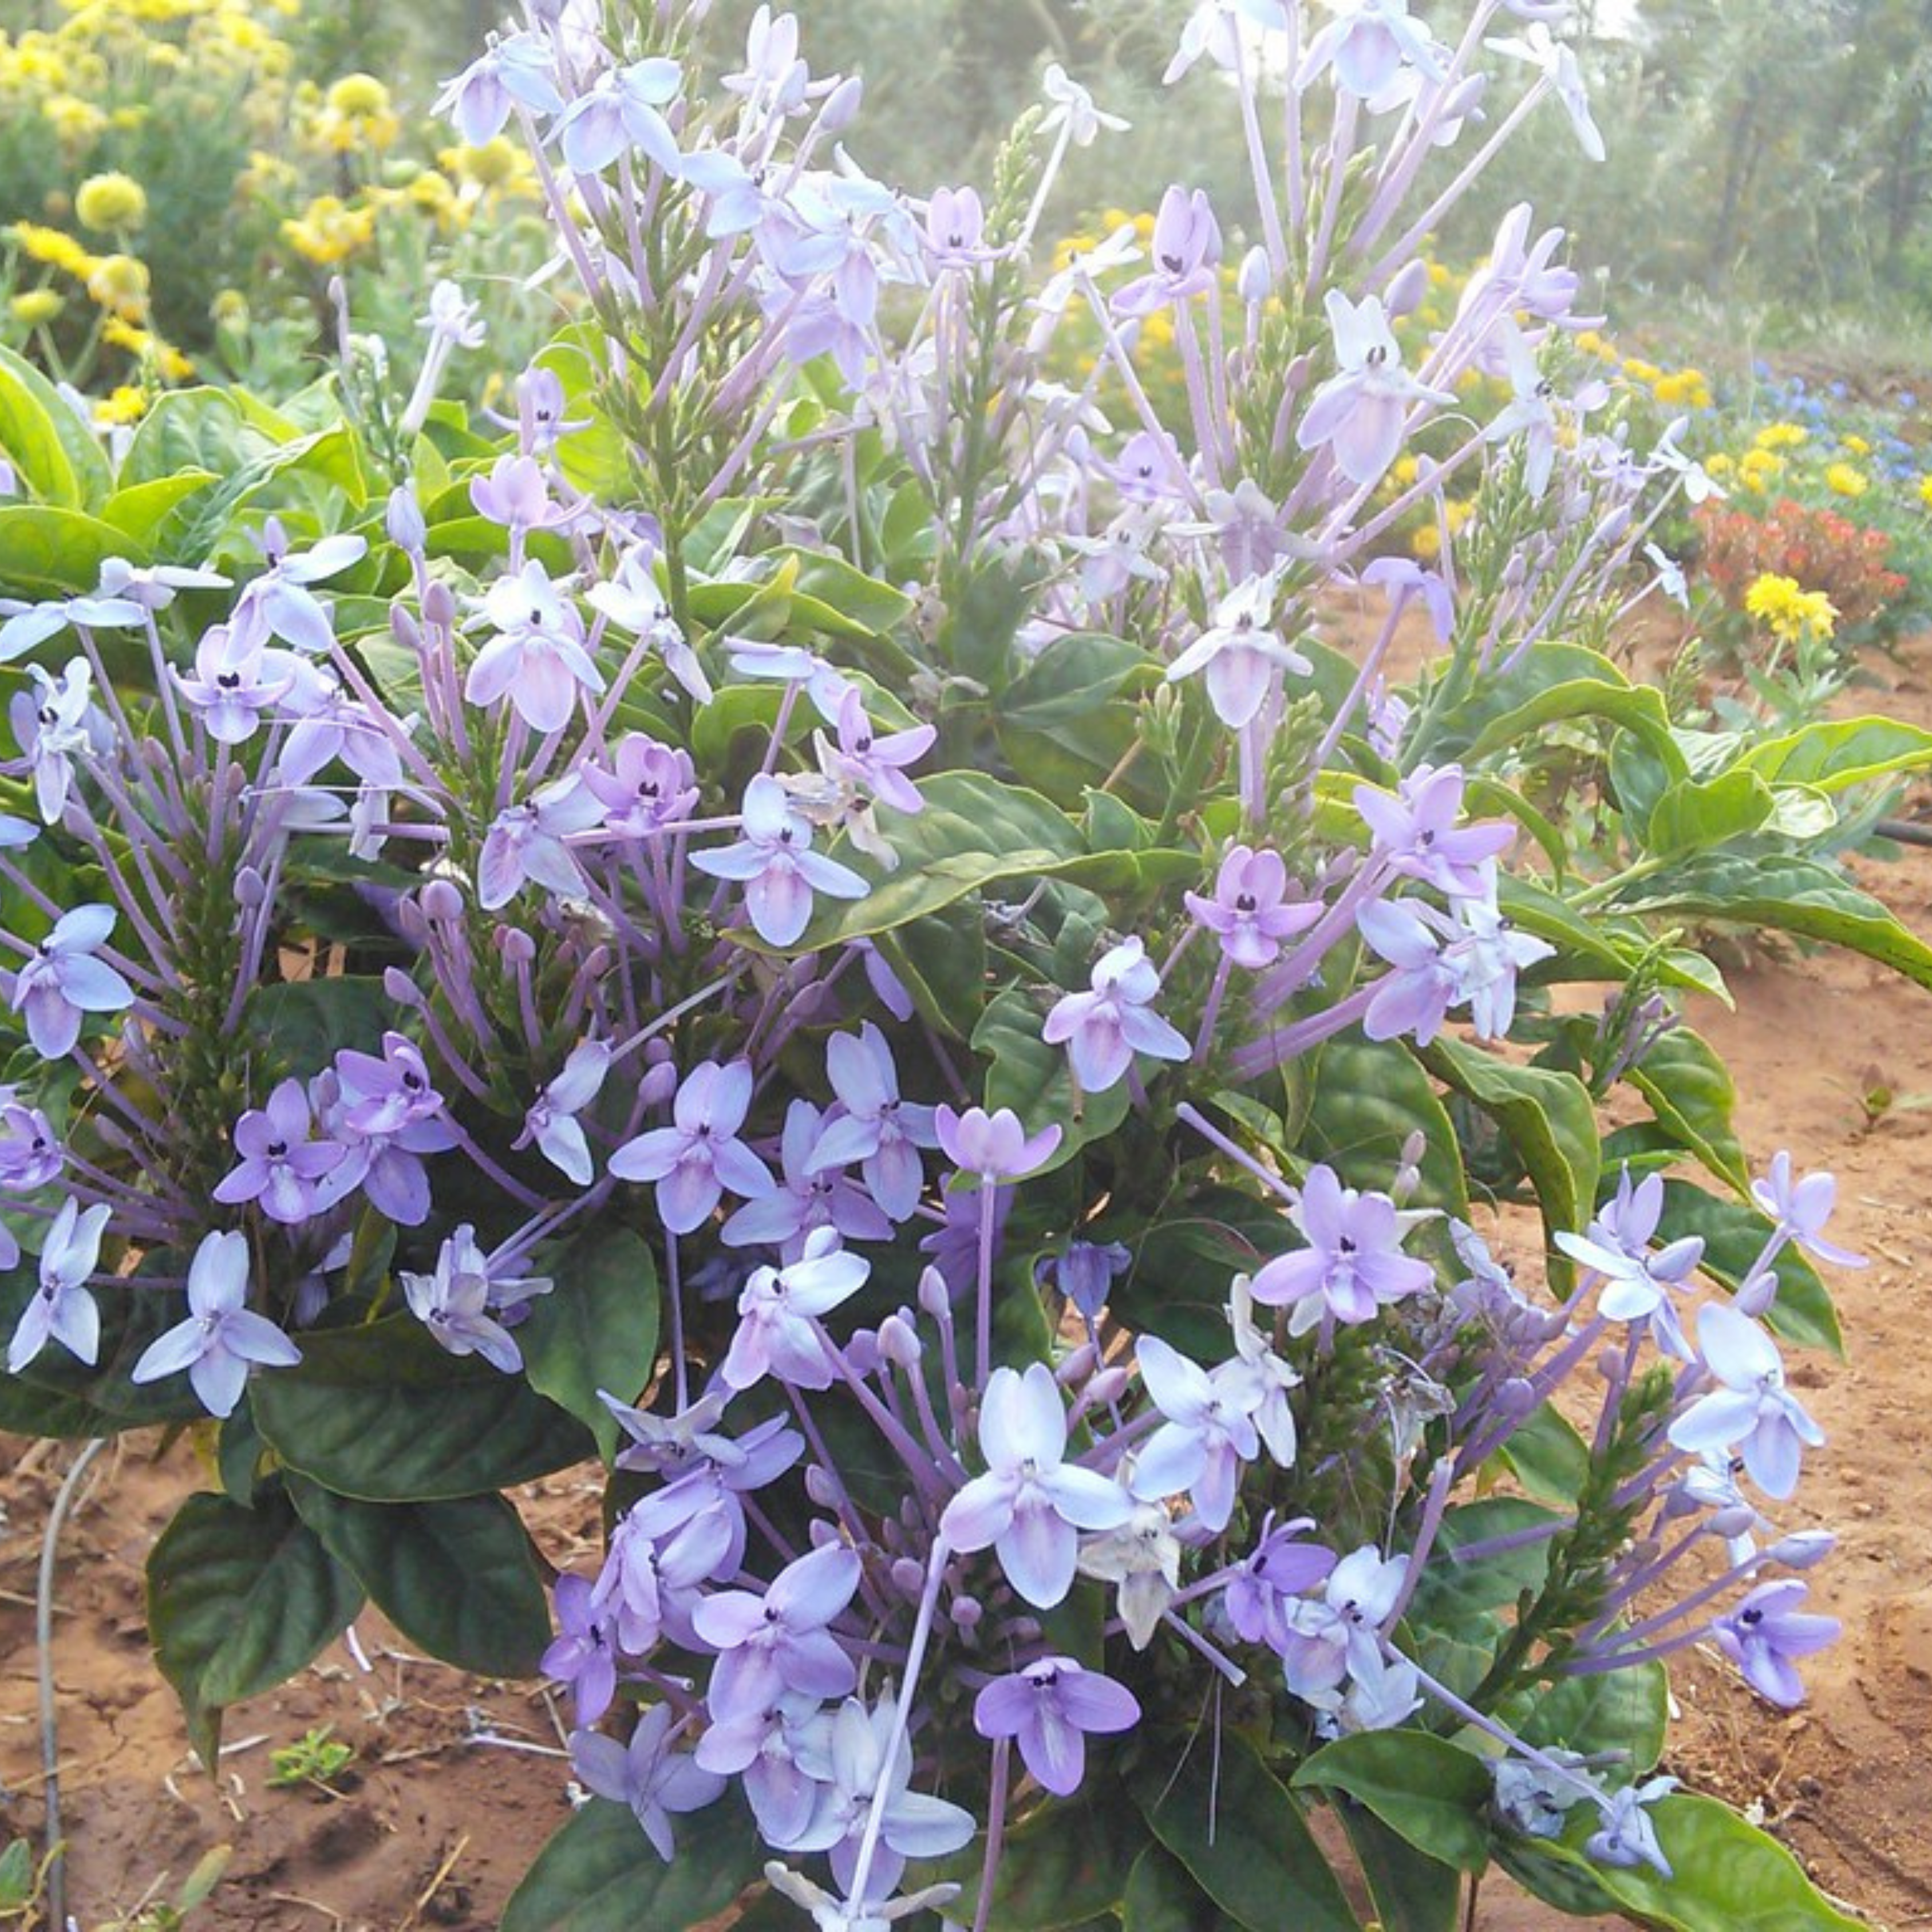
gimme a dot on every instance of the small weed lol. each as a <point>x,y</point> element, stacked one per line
<point>319,1758</point>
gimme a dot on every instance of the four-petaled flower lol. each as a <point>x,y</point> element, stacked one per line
<point>537,659</point>
<point>1765,1630</point>
<point>775,863</point>
<point>454,1303</point>
<point>1051,1707</point>
<point>222,1339</point>
<point>1030,1503</point>
<point>281,1167</point>
<point>1250,914</point>
<point>1753,1413</point>
<point>1353,1265</point>
<point>779,1642</point>
<point>695,1158</point>
<point>61,1308</point>
<point>1103,1028</point>
<point>62,980</point>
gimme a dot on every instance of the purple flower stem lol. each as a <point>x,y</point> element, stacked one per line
<point>674,1294</point>
<point>1291,974</point>
<point>1518,1539</point>
<point>1276,1049</point>
<point>1341,150</point>
<point>510,1186</point>
<point>1213,1135</point>
<point>1697,1599</point>
<point>1595,1664</point>
<point>1501,1733</point>
<point>1442,1481</point>
<point>1371,664</point>
<point>983,1329</point>
<point>996,1826</point>
<point>1196,1643</point>
<point>918,1465</point>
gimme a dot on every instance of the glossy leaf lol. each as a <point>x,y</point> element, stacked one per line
<point>1369,1096</point>
<point>1432,1793</point>
<point>1834,753</point>
<point>27,435</point>
<point>600,1874</point>
<point>1728,1875</point>
<point>56,553</point>
<point>1161,1896</point>
<point>381,1414</point>
<point>1791,895</point>
<point>1412,1892</point>
<point>1559,683</point>
<point>1233,1824</point>
<point>596,1329</point>
<point>1547,1457</point>
<point>1451,1590</point>
<point>1626,1711</point>
<point>1064,1866</point>
<point>1548,1118</point>
<point>88,478</point>
<point>458,1578</point>
<point>238,1600</point>
<point>1071,678</point>
<point>1037,1080</point>
<point>1696,814</point>
<point>1690,1090</point>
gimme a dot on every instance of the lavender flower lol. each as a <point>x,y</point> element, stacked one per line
<point>778,1312</point>
<point>993,1146</point>
<point>871,1125</point>
<point>1030,1503</point>
<point>1241,654</point>
<point>1051,1707</point>
<point>695,1159</point>
<point>1208,1434</point>
<point>1638,1285</point>
<point>1103,1028</point>
<point>550,1121</point>
<point>647,1775</point>
<point>1801,1208</point>
<point>1765,1631</point>
<point>1628,1835</point>
<point>775,863</point>
<point>62,980</point>
<point>1338,1635</point>
<point>583,1655</point>
<point>222,1339</point>
<point>1353,1265</point>
<point>1415,832</point>
<point>537,658</point>
<point>453,1303</point>
<point>61,1310</point>
<point>280,1167</point>
<point>779,1642</point>
<point>1358,415</point>
<point>1753,1414</point>
<point>1247,913</point>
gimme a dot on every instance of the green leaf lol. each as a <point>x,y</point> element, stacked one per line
<point>1548,1118</point>
<point>941,960</point>
<point>1369,1097</point>
<point>201,429</point>
<point>1728,1875</point>
<point>1559,682</point>
<point>600,1874</point>
<point>458,1578</point>
<point>303,1023</point>
<point>88,478</point>
<point>974,832</point>
<point>1689,1089</point>
<point>1232,1823</point>
<point>1792,895</point>
<point>1695,814</point>
<point>1071,678</point>
<point>1734,1235</point>
<point>27,434</point>
<point>1162,1897</point>
<point>1567,1883</point>
<point>1065,1865</point>
<point>381,1413</point>
<point>596,1329</point>
<point>26,1408</point>
<point>1432,1793</point>
<point>17,1876</point>
<point>1412,1892</point>
<point>143,511</point>
<point>1624,1710</point>
<point>1836,753</point>
<point>1547,1457</point>
<point>52,552</point>
<point>238,1600</point>
<point>1450,1592</point>
<point>1036,1080</point>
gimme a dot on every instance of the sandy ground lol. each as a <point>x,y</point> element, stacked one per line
<point>434,1824</point>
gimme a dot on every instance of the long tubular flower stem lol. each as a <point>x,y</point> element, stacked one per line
<point>1210,1010</point>
<point>922,1632</point>
<point>1277,1049</point>
<point>1550,1766</point>
<point>1298,967</point>
<point>674,1295</point>
<point>982,1367</point>
<point>1341,149</point>
<point>1365,675</point>
<point>1208,1132</point>
<point>996,1830</point>
<point>919,1467</point>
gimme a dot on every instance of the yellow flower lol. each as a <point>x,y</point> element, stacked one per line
<point>496,163</point>
<point>1847,481</point>
<point>330,231</point>
<point>1857,445</point>
<point>228,310</point>
<point>1781,436</point>
<point>120,283</point>
<point>1925,491</point>
<point>1787,610</point>
<point>1640,371</point>
<point>111,204</point>
<point>53,246</point>
<point>1670,388</point>
<point>32,306</point>
<point>360,94</point>
<point>76,123</point>
<point>126,405</point>
<point>1720,464</point>
<point>1427,542</point>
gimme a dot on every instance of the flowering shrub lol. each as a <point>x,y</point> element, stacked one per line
<point>818,923</point>
<point>1839,562</point>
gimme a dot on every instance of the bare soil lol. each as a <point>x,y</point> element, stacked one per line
<point>456,1783</point>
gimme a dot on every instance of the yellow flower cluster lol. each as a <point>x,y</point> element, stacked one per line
<point>1845,479</point>
<point>1685,388</point>
<point>1787,610</point>
<point>330,230</point>
<point>354,116</point>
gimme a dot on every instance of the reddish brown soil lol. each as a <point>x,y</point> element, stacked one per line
<point>435,1826</point>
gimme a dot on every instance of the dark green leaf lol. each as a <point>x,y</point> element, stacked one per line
<point>1626,1711</point>
<point>381,1413</point>
<point>1162,1897</point>
<point>1233,1824</point>
<point>1369,1097</point>
<point>238,1600</point>
<point>1412,1892</point>
<point>1450,1592</point>
<point>1557,683</point>
<point>303,1023</point>
<point>1072,678</point>
<point>457,1578</point>
<point>1065,1865</point>
<point>1547,1457</point>
<point>596,1329</point>
<point>1432,1793</point>
<point>599,1873</point>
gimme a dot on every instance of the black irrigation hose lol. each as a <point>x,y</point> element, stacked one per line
<point>1905,831</point>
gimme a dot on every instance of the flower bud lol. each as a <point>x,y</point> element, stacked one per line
<point>861,1351</point>
<point>1756,1296</point>
<point>404,629</point>
<point>933,1297</point>
<point>1736,1521</point>
<point>403,520</point>
<point>822,1490</point>
<point>898,1341</point>
<point>1406,292</point>
<point>250,888</point>
<point>908,1577</point>
<point>441,902</point>
<point>398,985</point>
<point>1077,1365</point>
<point>1802,1549</point>
<point>659,1086</point>
<point>515,946</point>
<point>1109,1385</point>
<point>438,604</point>
<point>967,1612</point>
<point>1255,281</point>
<point>841,105</point>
